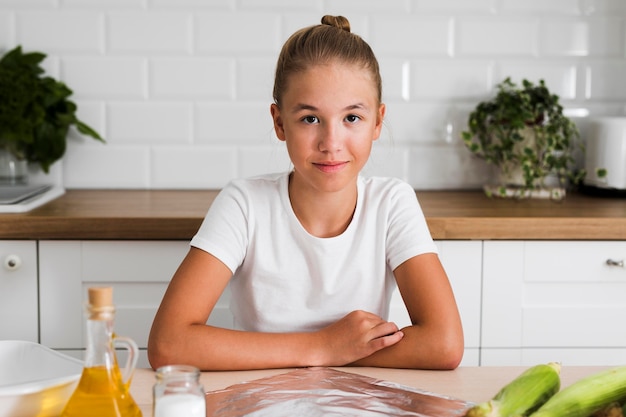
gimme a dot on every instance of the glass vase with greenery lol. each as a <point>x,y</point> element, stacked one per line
<point>35,110</point>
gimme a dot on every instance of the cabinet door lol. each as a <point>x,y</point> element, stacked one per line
<point>18,291</point>
<point>554,298</point>
<point>138,271</point>
<point>462,261</point>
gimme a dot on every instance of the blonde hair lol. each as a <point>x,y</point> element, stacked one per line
<point>322,44</point>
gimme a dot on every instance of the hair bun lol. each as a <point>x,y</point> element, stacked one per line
<point>336,21</point>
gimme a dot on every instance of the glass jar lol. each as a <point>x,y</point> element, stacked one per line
<point>13,170</point>
<point>178,392</point>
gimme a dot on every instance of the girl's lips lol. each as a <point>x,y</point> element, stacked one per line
<point>330,167</point>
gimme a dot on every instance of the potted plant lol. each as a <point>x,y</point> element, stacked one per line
<point>523,132</point>
<point>35,111</point>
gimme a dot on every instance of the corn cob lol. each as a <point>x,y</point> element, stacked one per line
<point>588,395</point>
<point>523,395</point>
<point>612,410</point>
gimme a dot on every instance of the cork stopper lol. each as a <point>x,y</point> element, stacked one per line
<point>101,296</point>
<point>100,303</point>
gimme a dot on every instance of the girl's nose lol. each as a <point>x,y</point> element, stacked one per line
<point>330,139</point>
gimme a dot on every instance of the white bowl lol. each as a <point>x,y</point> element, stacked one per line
<point>35,380</point>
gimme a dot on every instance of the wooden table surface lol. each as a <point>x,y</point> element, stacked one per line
<point>176,215</point>
<point>473,384</point>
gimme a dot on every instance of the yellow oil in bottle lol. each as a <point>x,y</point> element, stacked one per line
<point>102,390</point>
<point>101,393</point>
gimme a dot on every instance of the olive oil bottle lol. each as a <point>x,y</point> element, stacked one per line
<point>103,390</point>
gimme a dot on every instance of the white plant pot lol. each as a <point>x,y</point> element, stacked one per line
<point>510,181</point>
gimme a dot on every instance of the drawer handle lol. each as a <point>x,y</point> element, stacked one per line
<point>12,262</point>
<point>611,262</point>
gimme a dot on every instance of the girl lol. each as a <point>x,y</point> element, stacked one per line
<point>313,255</point>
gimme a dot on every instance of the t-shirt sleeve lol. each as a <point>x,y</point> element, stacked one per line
<point>408,233</point>
<point>223,232</point>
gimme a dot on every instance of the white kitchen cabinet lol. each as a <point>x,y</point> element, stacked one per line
<point>521,302</point>
<point>554,301</point>
<point>18,291</point>
<point>138,271</point>
<point>462,260</point>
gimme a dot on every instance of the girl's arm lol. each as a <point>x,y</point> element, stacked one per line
<point>435,338</point>
<point>180,334</point>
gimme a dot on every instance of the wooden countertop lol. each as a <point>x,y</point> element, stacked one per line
<point>473,384</point>
<point>176,215</point>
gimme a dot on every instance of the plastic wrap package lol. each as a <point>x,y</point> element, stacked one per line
<point>328,392</point>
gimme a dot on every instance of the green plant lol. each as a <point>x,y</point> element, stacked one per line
<point>35,110</point>
<point>524,129</point>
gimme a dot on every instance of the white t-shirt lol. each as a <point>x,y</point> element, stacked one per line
<point>285,279</point>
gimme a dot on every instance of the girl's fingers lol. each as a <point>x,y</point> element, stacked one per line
<point>384,328</point>
<point>387,340</point>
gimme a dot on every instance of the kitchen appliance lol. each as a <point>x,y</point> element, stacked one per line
<point>605,154</point>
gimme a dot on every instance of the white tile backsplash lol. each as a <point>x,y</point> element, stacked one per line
<point>97,77</point>
<point>107,166</point>
<point>185,4</point>
<point>93,114</point>
<point>233,123</point>
<point>460,165</point>
<point>108,4</point>
<point>372,6</point>
<point>516,36</point>
<point>237,33</point>
<point>193,78</point>
<point>149,32</point>
<point>445,6</point>
<point>192,167</point>
<point>273,5</point>
<point>564,37</point>
<point>181,88</point>
<point>61,31</point>
<point>29,4</point>
<point>150,122</point>
<point>395,73</point>
<point>603,6</point>
<point>388,158</point>
<point>450,79</point>
<point>255,78</point>
<point>606,37</point>
<point>394,35</point>
<point>606,80</point>
<point>257,160</point>
<point>7,28</point>
<point>419,123</point>
<point>560,77</point>
<point>541,6</point>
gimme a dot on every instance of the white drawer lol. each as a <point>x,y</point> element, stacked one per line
<point>553,295</point>
<point>138,271</point>
<point>574,261</point>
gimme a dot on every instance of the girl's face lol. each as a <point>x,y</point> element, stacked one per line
<point>329,118</point>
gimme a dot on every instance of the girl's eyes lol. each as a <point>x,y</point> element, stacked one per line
<point>351,118</point>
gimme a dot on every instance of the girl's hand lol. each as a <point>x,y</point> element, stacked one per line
<point>355,336</point>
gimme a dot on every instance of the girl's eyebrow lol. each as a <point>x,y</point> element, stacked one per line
<point>302,106</point>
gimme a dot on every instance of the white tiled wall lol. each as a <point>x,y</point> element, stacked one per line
<point>181,88</point>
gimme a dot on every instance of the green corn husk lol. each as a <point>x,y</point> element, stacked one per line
<point>588,395</point>
<point>523,395</point>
